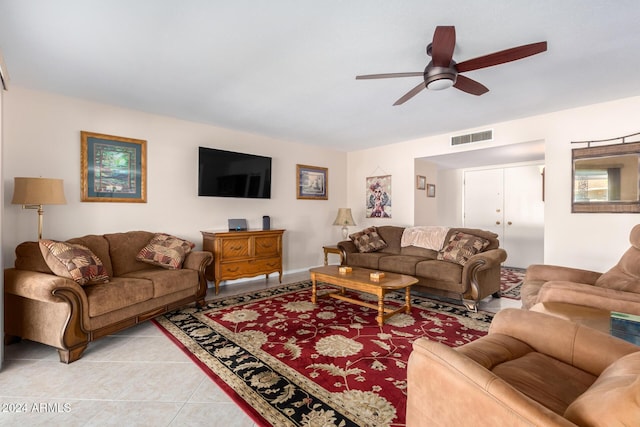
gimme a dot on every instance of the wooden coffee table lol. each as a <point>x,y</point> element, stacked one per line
<point>358,280</point>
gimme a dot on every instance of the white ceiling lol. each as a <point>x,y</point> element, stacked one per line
<point>286,68</point>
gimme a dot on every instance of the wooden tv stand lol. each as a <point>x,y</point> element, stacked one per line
<point>238,254</point>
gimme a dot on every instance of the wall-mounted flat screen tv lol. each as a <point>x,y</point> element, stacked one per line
<point>229,174</point>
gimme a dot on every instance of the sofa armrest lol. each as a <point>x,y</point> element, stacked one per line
<point>197,260</point>
<point>447,388</point>
<point>40,286</point>
<point>546,273</point>
<point>346,247</point>
<point>569,342</point>
<point>472,273</point>
<point>590,296</point>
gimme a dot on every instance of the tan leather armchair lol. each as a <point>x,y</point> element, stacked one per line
<point>615,290</point>
<point>532,369</point>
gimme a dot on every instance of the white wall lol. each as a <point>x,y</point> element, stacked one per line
<point>592,241</point>
<point>426,208</point>
<point>42,138</point>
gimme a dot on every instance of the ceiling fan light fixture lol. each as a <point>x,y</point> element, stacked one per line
<point>439,78</point>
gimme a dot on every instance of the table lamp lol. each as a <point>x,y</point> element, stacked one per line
<point>344,219</point>
<point>32,193</point>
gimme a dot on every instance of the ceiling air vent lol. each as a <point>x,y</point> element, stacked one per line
<point>485,135</point>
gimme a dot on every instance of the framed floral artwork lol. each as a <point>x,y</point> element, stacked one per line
<point>113,168</point>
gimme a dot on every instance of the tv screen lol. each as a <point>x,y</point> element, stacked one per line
<point>229,174</point>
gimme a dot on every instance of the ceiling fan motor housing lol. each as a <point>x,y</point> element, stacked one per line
<point>438,78</point>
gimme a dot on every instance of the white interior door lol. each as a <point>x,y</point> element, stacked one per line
<point>483,200</point>
<point>523,216</point>
<point>508,201</point>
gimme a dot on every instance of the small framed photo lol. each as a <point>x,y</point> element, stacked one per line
<point>113,168</point>
<point>431,190</point>
<point>421,181</point>
<point>312,182</point>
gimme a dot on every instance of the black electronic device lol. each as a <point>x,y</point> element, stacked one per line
<point>229,174</point>
<point>266,222</point>
<point>237,225</point>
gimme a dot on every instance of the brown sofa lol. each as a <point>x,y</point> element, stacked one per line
<point>532,369</point>
<point>615,290</point>
<point>57,311</point>
<point>478,278</point>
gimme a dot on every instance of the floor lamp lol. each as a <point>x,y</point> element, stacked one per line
<point>32,193</point>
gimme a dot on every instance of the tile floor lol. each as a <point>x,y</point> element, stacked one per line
<point>135,378</point>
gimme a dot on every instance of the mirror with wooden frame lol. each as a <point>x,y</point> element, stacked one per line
<point>606,179</point>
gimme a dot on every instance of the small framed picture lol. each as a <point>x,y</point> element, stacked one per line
<point>431,190</point>
<point>312,182</point>
<point>113,168</point>
<point>421,181</point>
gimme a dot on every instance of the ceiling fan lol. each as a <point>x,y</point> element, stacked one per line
<point>442,71</point>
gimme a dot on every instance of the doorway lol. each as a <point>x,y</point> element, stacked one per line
<point>508,201</point>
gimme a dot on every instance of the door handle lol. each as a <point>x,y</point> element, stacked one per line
<point>509,223</point>
<point>497,222</point>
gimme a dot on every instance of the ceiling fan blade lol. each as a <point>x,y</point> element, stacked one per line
<point>413,92</point>
<point>390,75</point>
<point>471,86</point>
<point>444,41</point>
<point>501,57</point>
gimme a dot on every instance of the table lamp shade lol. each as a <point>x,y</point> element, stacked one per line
<point>38,191</point>
<point>345,219</point>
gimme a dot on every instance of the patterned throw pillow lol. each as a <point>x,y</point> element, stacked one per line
<point>165,251</point>
<point>368,240</point>
<point>461,247</point>
<point>73,261</point>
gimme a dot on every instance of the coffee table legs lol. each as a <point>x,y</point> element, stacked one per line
<point>314,289</point>
<point>407,299</point>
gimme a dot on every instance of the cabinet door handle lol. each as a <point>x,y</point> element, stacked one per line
<point>509,223</point>
<point>497,222</point>
<point>236,248</point>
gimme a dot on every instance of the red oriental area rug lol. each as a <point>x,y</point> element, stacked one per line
<point>288,362</point>
<point>511,281</point>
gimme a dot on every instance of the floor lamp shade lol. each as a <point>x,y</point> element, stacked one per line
<point>32,193</point>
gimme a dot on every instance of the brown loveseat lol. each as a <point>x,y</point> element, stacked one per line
<point>531,370</point>
<point>615,290</point>
<point>54,310</point>
<point>469,280</point>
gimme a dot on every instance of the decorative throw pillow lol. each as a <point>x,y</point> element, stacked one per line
<point>368,240</point>
<point>73,261</point>
<point>165,251</point>
<point>461,247</point>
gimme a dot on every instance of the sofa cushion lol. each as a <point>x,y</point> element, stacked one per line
<point>461,247</point>
<point>73,261</point>
<point>548,381</point>
<point>29,257</point>
<point>99,246</point>
<point>401,264</point>
<point>365,260</point>
<point>119,293</point>
<point>368,240</point>
<point>166,282</point>
<point>165,251</point>
<point>123,248</point>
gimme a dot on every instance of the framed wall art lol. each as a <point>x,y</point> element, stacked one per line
<point>113,168</point>
<point>378,197</point>
<point>431,190</point>
<point>312,182</point>
<point>421,181</point>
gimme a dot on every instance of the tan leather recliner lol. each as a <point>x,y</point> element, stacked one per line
<point>616,290</point>
<point>532,369</point>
